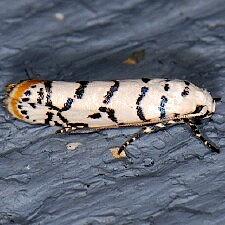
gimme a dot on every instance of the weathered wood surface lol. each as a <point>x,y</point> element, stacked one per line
<point>173,178</point>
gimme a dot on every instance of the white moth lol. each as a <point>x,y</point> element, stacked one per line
<point>97,105</point>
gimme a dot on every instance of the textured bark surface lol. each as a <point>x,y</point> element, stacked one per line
<point>173,178</point>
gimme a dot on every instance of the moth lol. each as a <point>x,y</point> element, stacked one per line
<point>151,104</point>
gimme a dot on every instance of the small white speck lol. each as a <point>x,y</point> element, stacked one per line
<point>59,16</point>
<point>72,145</point>
<point>28,167</point>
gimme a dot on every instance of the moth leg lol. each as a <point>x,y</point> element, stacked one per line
<point>66,130</point>
<point>75,130</point>
<point>198,134</point>
<point>201,113</point>
<point>122,152</point>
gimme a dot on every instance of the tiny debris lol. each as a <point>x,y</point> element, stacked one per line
<point>72,145</point>
<point>59,16</point>
<point>135,57</point>
<point>115,154</point>
<point>27,167</point>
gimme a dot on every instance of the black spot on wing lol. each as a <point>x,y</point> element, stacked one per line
<point>187,82</point>
<point>33,105</point>
<point>57,123</point>
<point>48,88</point>
<point>95,116</point>
<point>198,109</point>
<point>110,112</point>
<point>25,99</point>
<point>145,80</point>
<point>49,117</point>
<point>62,118</point>
<point>19,106</point>
<point>52,107</point>
<point>24,112</point>
<point>166,87</point>
<point>144,90</point>
<point>140,113</point>
<point>80,90</point>
<point>67,105</point>
<point>185,92</point>
<point>162,110</point>
<point>40,96</point>
<point>34,86</point>
<point>111,91</point>
<point>27,93</point>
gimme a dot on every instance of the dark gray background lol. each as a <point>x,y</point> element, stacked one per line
<point>42,182</point>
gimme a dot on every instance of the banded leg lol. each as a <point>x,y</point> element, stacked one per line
<point>140,133</point>
<point>75,130</point>
<point>198,134</point>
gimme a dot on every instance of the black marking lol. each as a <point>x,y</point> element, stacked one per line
<point>48,88</point>
<point>110,112</point>
<point>19,106</point>
<point>33,86</point>
<point>41,96</point>
<point>102,109</point>
<point>24,112</point>
<point>198,109</point>
<point>34,120</point>
<point>33,105</point>
<point>49,118</point>
<point>95,116</point>
<point>27,117</point>
<point>27,93</point>
<point>57,123</point>
<point>162,110</point>
<point>67,105</point>
<point>144,90</point>
<point>25,99</point>
<point>64,120</point>
<point>166,87</point>
<point>140,113</point>
<point>185,92</point>
<point>78,125</point>
<point>145,80</point>
<point>187,82</point>
<point>80,90</point>
<point>52,107</point>
<point>176,115</point>
<point>110,93</point>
